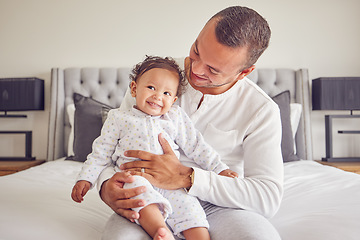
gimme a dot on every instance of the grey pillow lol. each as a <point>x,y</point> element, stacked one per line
<point>287,142</point>
<point>87,125</point>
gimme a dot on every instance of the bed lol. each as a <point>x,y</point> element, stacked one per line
<point>320,202</point>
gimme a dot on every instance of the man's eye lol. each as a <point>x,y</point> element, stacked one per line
<point>151,87</point>
<point>194,49</point>
<point>212,71</point>
<point>196,52</point>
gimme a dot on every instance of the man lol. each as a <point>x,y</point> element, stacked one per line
<point>236,117</point>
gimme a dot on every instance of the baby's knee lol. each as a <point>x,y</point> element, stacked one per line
<point>138,181</point>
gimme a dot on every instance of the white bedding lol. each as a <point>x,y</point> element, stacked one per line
<point>36,204</point>
<point>319,202</point>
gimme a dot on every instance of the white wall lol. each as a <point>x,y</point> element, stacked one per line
<point>36,35</point>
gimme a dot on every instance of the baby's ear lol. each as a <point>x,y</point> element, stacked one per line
<point>133,88</point>
<point>175,98</point>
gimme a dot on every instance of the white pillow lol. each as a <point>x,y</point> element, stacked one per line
<point>295,114</point>
<point>71,113</point>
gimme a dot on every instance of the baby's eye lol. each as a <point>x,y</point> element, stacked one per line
<point>167,93</point>
<point>151,87</point>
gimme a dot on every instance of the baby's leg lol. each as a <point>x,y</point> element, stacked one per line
<point>151,196</point>
<point>163,234</point>
<point>153,215</point>
<point>187,217</point>
<point>152,220</point>
<point>197,233</point>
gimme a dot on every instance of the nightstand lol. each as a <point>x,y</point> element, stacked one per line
<point>346,166</point>
<point>9,167</point>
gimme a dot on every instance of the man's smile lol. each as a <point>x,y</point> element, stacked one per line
<point>197,78</point>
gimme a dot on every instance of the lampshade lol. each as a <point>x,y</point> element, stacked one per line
<point>21,94</point>
<point>336,93</point>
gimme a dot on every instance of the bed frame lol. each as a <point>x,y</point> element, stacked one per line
<point>108,85</point>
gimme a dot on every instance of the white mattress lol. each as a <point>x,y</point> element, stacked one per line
<point>320,202</point>
<point>36,204</point>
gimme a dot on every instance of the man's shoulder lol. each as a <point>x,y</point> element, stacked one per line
<point>256,92</point>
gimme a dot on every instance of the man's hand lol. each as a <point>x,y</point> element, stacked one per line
<point>163,171</point>
<point>117,198</point>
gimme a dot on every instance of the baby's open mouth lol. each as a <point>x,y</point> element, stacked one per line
<point>154,105</point>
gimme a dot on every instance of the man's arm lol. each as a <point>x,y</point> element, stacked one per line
<point>260,188</point>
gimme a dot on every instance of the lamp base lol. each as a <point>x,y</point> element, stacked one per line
<point>12,116</point>
<point>341,159</point>
<point>17,158</point>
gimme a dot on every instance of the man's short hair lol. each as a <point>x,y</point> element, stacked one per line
<point>243,27</point>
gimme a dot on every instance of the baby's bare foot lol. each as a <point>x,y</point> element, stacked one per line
<point>163,234</point>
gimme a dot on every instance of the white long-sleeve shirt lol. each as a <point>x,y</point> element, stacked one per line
<point>243,124</point>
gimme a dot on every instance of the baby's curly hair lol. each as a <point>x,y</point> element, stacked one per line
<point>151,62</point>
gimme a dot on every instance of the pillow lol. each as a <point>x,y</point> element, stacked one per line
<point>87,125</point>
<point>71,113</point>
<point>104,113</point>
<point>287,141</point>
<point>295,115</point>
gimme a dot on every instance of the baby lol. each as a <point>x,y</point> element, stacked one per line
<point>156,84</point>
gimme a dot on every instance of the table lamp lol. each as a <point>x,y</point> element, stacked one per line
<point>21,94</point>
<point>336,93</point>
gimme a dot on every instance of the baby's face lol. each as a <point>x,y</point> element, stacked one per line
<point>155,91</point>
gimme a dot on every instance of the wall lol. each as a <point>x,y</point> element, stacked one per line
<point>36,35</point>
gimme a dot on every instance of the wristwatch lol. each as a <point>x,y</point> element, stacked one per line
<point>192,178</point>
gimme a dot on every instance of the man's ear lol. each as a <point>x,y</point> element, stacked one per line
<point>246,72</point>
<point>133,88</point>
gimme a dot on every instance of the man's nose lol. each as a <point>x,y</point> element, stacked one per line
<point>198,67</point>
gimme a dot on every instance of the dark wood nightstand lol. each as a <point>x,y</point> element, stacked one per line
<point>9,167</point>
<point>346,166</point>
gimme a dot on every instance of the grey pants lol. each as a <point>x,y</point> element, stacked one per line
<point>225,224</point>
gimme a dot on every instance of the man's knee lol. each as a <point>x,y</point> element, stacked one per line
<point>228,224</point>
<point>120,228</point>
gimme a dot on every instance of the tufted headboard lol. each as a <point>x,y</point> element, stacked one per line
<point>108,85</point>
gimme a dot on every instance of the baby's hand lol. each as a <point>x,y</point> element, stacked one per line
<point>229,173</point>
<point>79,190</point>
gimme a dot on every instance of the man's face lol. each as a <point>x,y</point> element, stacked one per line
<point>215,68</point>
